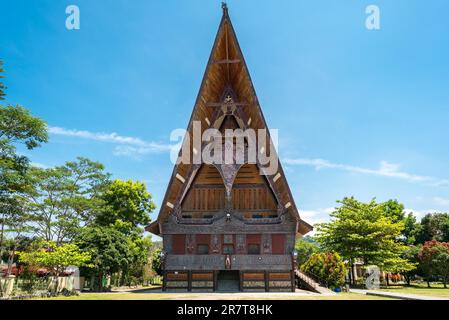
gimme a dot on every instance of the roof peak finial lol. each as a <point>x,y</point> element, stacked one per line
<point>224,6</point>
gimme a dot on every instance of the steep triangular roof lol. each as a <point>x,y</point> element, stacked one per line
<point>226,75</point>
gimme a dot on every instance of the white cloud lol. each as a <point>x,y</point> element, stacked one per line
<point>127,146</point>
<point>385,169</point>
<point>39,165</point>
<point>316,216</point>
<point>441,201</point>
<point>419,214</point>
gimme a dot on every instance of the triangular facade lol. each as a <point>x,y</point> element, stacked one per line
<point>227,222</point>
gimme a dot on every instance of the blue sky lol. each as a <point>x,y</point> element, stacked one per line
<point>360,112</point>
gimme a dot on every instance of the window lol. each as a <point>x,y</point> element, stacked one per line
<point>178,243</point>
<point>253,249</point>
<point>186,216</point>
<point>257,216</point>
<point>208,216</point>
<point>202,249</point>
<point>228,249</point>
<point>278,243</point>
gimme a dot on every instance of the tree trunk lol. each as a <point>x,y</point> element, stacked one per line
<point>388,279</point>
<point>352,273</point>
<point>408,279</point>
<point>1,239</point>
<point>428,283</point>
<point>100,284</point>
<point>11,261</point>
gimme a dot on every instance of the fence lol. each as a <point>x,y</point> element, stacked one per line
<point>28,286</point>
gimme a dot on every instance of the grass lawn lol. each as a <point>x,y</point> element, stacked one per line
<point>209,296</point>
<point>436,290</point>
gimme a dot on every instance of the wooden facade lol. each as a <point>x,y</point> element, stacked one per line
<point>227,227</point>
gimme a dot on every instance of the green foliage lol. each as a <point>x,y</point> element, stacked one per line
<point>17,125</point>
<point>114,251</point>
<point>393,210</point>
<point>156,262</point>
<point>126,203</point>
<point>434,257</point>
<point>110,249</point>
<point>140,249</point>
<point>55,258</point>
<point>363,231</point>
<point>410,229</point>
<point>433,226</point>
<point>305,247</point>
<point>411,255</point>
<point>64,198</point>
<point>328,267</point>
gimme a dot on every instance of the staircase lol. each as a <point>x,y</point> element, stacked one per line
<point>311,284</point>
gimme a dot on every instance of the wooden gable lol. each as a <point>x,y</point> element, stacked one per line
<point>226,76</point>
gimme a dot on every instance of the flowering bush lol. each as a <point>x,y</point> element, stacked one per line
<point>434,257</point>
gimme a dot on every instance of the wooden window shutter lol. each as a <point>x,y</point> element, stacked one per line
<point>179,243</point>
<point>278,243</point>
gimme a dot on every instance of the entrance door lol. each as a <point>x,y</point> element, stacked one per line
<point>228,281</point>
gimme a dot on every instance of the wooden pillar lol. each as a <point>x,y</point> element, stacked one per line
<point>215,280</point>
<point>189,281</point>
<point>164,280</point>
<point>292,275</point>
<point>267,282</point>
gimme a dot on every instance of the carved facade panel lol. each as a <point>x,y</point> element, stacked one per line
<point>241,243</point>
<point>215,243</point>
<point>236,262</point>
<point>232,226</point>
<point>266,243</point>
<point>190,243</point>
<point>228,239</point>
<point>167,242</point>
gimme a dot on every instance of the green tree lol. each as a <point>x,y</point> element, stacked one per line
<point>410,229</point>
<point>140,257</point>
<point>127,203</point>
<point>328,267</point>
<point>394,210</point>
<point>17,127</point>
<point>55,258</point>
<point>156,262</point>
<point>411,254</point>
<point>362,231</point>
<point>64,198</point>
<point>434,257</point>
<point>305,247</point>
<point>433,226</point>
<point>111,251</point>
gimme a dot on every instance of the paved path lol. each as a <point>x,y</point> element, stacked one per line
<point>402,296</point>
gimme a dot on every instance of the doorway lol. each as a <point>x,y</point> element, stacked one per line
<point>228,281</point>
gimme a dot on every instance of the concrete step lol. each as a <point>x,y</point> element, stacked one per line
<point>312,284</point>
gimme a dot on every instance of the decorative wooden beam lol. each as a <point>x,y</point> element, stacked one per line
<point>227,61</point>
<point>276,177</point>
<point>170,205</point>
<point>223,104</point>
<point>180,178</point>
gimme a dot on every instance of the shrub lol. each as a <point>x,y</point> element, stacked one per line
<point>327,266</point>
